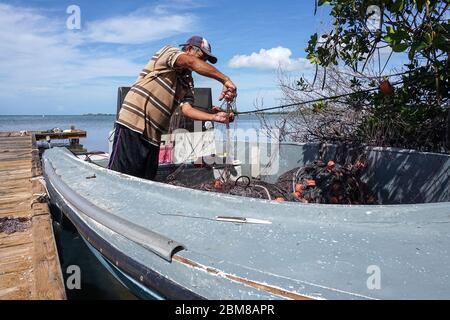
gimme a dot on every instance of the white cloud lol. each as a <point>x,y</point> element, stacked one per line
<point>36,51</point>
<point>139,27</point>
<point>270,59</point>
<point>43,62</point>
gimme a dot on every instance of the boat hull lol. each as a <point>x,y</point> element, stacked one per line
<point>141,280</point>
<point>301,251</point>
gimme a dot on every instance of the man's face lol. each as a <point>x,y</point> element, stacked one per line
<point>196,52</point>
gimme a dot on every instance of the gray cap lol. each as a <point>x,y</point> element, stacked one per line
<point>203,45</point>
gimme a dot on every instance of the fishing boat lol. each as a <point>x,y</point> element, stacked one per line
<point>169,242</point>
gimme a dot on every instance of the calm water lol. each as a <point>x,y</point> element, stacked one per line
<point>97,127</point>
<point>96,281</point>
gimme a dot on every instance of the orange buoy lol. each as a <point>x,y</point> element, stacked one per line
<point>386,87</point>
<point>218,184</point>
<point>299,188</point>
<point>297,195</point>
<point>330,165</point>
<point>334,200</point>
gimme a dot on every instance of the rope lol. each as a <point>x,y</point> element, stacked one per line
<point>227,170</point>
<point>41,181</point>
<point>267,191</point>
<point>315,100</point>
<point>246,177</point>
<point>39,198</point>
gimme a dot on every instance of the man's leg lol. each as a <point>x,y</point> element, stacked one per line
<point>152,162</point>
<point>127,156</point>
<point>133,155</point>
<point>113,155</point>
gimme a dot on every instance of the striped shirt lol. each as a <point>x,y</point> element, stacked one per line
<point>159,90</point>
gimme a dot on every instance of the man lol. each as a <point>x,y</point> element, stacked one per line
<point>163,85</point>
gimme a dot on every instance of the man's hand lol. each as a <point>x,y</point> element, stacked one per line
<point>218,114</point>
<point>229,91</point>
<point>218,110</point>
<point>221,116</point>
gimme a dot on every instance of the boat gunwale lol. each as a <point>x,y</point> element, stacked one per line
<point>136,270</point>
<point>266,201</point>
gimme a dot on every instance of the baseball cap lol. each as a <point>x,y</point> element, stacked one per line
<point>203,45</point>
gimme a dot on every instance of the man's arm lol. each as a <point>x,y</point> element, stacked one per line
<point>207,70</point>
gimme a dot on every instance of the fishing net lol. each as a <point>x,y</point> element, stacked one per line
<point>243,186</point>
<point>332,183</point>
<point>10,226</point>
<point>318,182</point>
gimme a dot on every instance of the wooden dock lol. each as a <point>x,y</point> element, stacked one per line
<point>29,263</point>
<point>74,134</point>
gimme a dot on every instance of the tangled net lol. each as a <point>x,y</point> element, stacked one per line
<point>10,226</point>
<point>329,182</point>
<point>243,186</point>
<point>317,182</point>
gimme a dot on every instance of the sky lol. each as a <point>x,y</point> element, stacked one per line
<point>49,64</point>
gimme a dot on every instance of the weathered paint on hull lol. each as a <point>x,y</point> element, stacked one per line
<point>308,250</point>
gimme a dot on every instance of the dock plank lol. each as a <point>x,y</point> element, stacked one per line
<point>29,262</point>
<point>15,286</point>
<point>15,239</point>
<point>47,282</point>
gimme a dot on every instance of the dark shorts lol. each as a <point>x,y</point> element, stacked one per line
<point>132,154</point>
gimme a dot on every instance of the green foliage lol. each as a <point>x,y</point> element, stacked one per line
<point>413,25</point>
<point>302,84</point>
<point>416,110</point>
<point>319,106</point>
